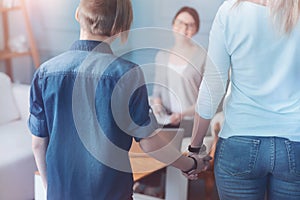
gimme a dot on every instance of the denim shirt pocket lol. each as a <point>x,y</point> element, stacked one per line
<point>238,155</point>
<point>293,149</point>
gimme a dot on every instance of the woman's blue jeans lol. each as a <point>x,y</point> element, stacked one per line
<point>255,168</point>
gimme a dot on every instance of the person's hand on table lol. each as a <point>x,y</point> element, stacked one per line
<point>175,118</point>
<point>158,109</point>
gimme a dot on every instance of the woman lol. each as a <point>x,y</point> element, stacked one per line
<point>259,147</point>
<point>177,79</point>
<point>179,70</point>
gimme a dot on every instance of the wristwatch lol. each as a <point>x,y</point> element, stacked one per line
<point>197,150</point>
<point>195,165</point>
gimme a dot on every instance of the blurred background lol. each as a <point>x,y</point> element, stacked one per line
<point>54,27</point>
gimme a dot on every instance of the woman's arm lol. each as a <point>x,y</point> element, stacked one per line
<point>213,85</point>
<point>199,130</point>
<point>157,105</point>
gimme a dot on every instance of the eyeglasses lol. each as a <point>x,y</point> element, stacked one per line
<point>181,24</point>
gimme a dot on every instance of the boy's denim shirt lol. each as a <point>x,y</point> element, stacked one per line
<point>90,104</point>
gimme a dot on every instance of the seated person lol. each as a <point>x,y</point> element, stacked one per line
<point>177,79</point>
<point>178,72</point>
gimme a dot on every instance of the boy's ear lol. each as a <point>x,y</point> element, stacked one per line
<point>76,14</point>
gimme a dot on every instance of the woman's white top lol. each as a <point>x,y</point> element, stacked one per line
<point>175,105</point>
<point>177,85</point>
<point>264,91</point>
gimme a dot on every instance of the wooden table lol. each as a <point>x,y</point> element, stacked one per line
<point>142,164</point>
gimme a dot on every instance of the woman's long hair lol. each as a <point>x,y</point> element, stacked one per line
<point>284,13</point>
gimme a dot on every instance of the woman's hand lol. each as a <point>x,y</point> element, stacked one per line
<point>157,106</point>
<point>202,165</point>
<point>175,118</point>
<point>158,109</point>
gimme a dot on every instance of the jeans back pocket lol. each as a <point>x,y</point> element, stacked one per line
<point>293,149</point>
<point>238,155</point>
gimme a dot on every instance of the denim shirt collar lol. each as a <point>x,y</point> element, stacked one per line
<point>90,45</point>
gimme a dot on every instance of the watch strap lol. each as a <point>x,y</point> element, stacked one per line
<point>195,165</point>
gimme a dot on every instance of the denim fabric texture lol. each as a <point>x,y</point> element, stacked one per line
<point>253,168</point>
<point>73,170</point>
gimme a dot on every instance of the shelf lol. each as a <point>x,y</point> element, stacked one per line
<point>5,53</point>
<point>8,54</point>
<point>3,9</point>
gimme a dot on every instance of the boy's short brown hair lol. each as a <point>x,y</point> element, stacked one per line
<point>105,17</point>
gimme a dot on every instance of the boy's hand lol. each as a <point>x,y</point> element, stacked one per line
<point>202,165</point>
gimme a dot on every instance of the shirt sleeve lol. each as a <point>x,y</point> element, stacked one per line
<point>213,85</point>
<point>37,122</point>
<point>130,105</point>
<point>140,110</point>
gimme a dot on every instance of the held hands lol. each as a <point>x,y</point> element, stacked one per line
<point>202,165</point>
<point>197,154</point>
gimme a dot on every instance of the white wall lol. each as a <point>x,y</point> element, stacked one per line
<point>54,25</point>
<point>159,13</point>
<point>163,12</point>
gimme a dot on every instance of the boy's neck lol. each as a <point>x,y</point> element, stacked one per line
<point>87,36</point>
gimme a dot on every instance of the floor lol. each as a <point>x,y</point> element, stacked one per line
<point>196,191</point>
<point>195,188</point>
